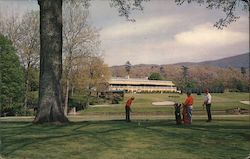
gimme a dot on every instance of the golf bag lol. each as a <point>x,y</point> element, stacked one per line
<point>177,113</point>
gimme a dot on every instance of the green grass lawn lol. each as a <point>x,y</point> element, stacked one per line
<point>141,139</point>
<point>143,103</point>
<point>100,132</point>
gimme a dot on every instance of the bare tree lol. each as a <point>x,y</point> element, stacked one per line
<point>163,72</point>
<point>79,39</point>
<point>185,77</point>
<point>28,47</point>
<point>128,67</point>
<point>10,27</point>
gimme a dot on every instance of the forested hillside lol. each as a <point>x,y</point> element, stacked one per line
<point>237,61</point>
<point>226,74</point>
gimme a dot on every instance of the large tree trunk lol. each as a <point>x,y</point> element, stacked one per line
<point>50,98</point>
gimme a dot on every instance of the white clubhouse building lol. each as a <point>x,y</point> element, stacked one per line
<point>141,85</point>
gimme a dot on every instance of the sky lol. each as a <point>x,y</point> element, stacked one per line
<point>163,33</point>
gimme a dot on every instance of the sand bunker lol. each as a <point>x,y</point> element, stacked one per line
<point>245,102</point>
<point>164,103</point>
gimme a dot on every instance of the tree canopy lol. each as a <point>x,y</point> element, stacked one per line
<point>229,7</point>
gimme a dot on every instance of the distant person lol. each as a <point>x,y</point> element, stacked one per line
<point>128,109</point>
<point>207,103</point>
<point>187,109</point>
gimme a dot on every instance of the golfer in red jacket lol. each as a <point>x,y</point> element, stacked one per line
<point>128,109</point>
<point>187,109</point>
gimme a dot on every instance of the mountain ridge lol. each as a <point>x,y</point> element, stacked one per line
<point>236,61</point>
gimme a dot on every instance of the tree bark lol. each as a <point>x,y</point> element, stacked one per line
<point>50,94</point>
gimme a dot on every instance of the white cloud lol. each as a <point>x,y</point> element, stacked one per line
<point>166,33</point>
<point>169,50</point>
<point>163,33</point>
<point>205,35</point>
<point>138,28</point>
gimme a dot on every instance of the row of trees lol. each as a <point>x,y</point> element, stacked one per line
<point>216,79</point>
<point>83,66</point>
<point>194,78</point>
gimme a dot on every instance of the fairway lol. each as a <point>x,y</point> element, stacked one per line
<point>140,139</point>
<point>101,133</point>
<point>143,104</point>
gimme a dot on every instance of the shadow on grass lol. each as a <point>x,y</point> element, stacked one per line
<point>18,135</point>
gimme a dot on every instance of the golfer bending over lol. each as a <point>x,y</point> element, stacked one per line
<point>128,109</point>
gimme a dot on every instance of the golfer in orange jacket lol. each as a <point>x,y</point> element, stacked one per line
<point>128,109</point>
<point>187,109</point>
